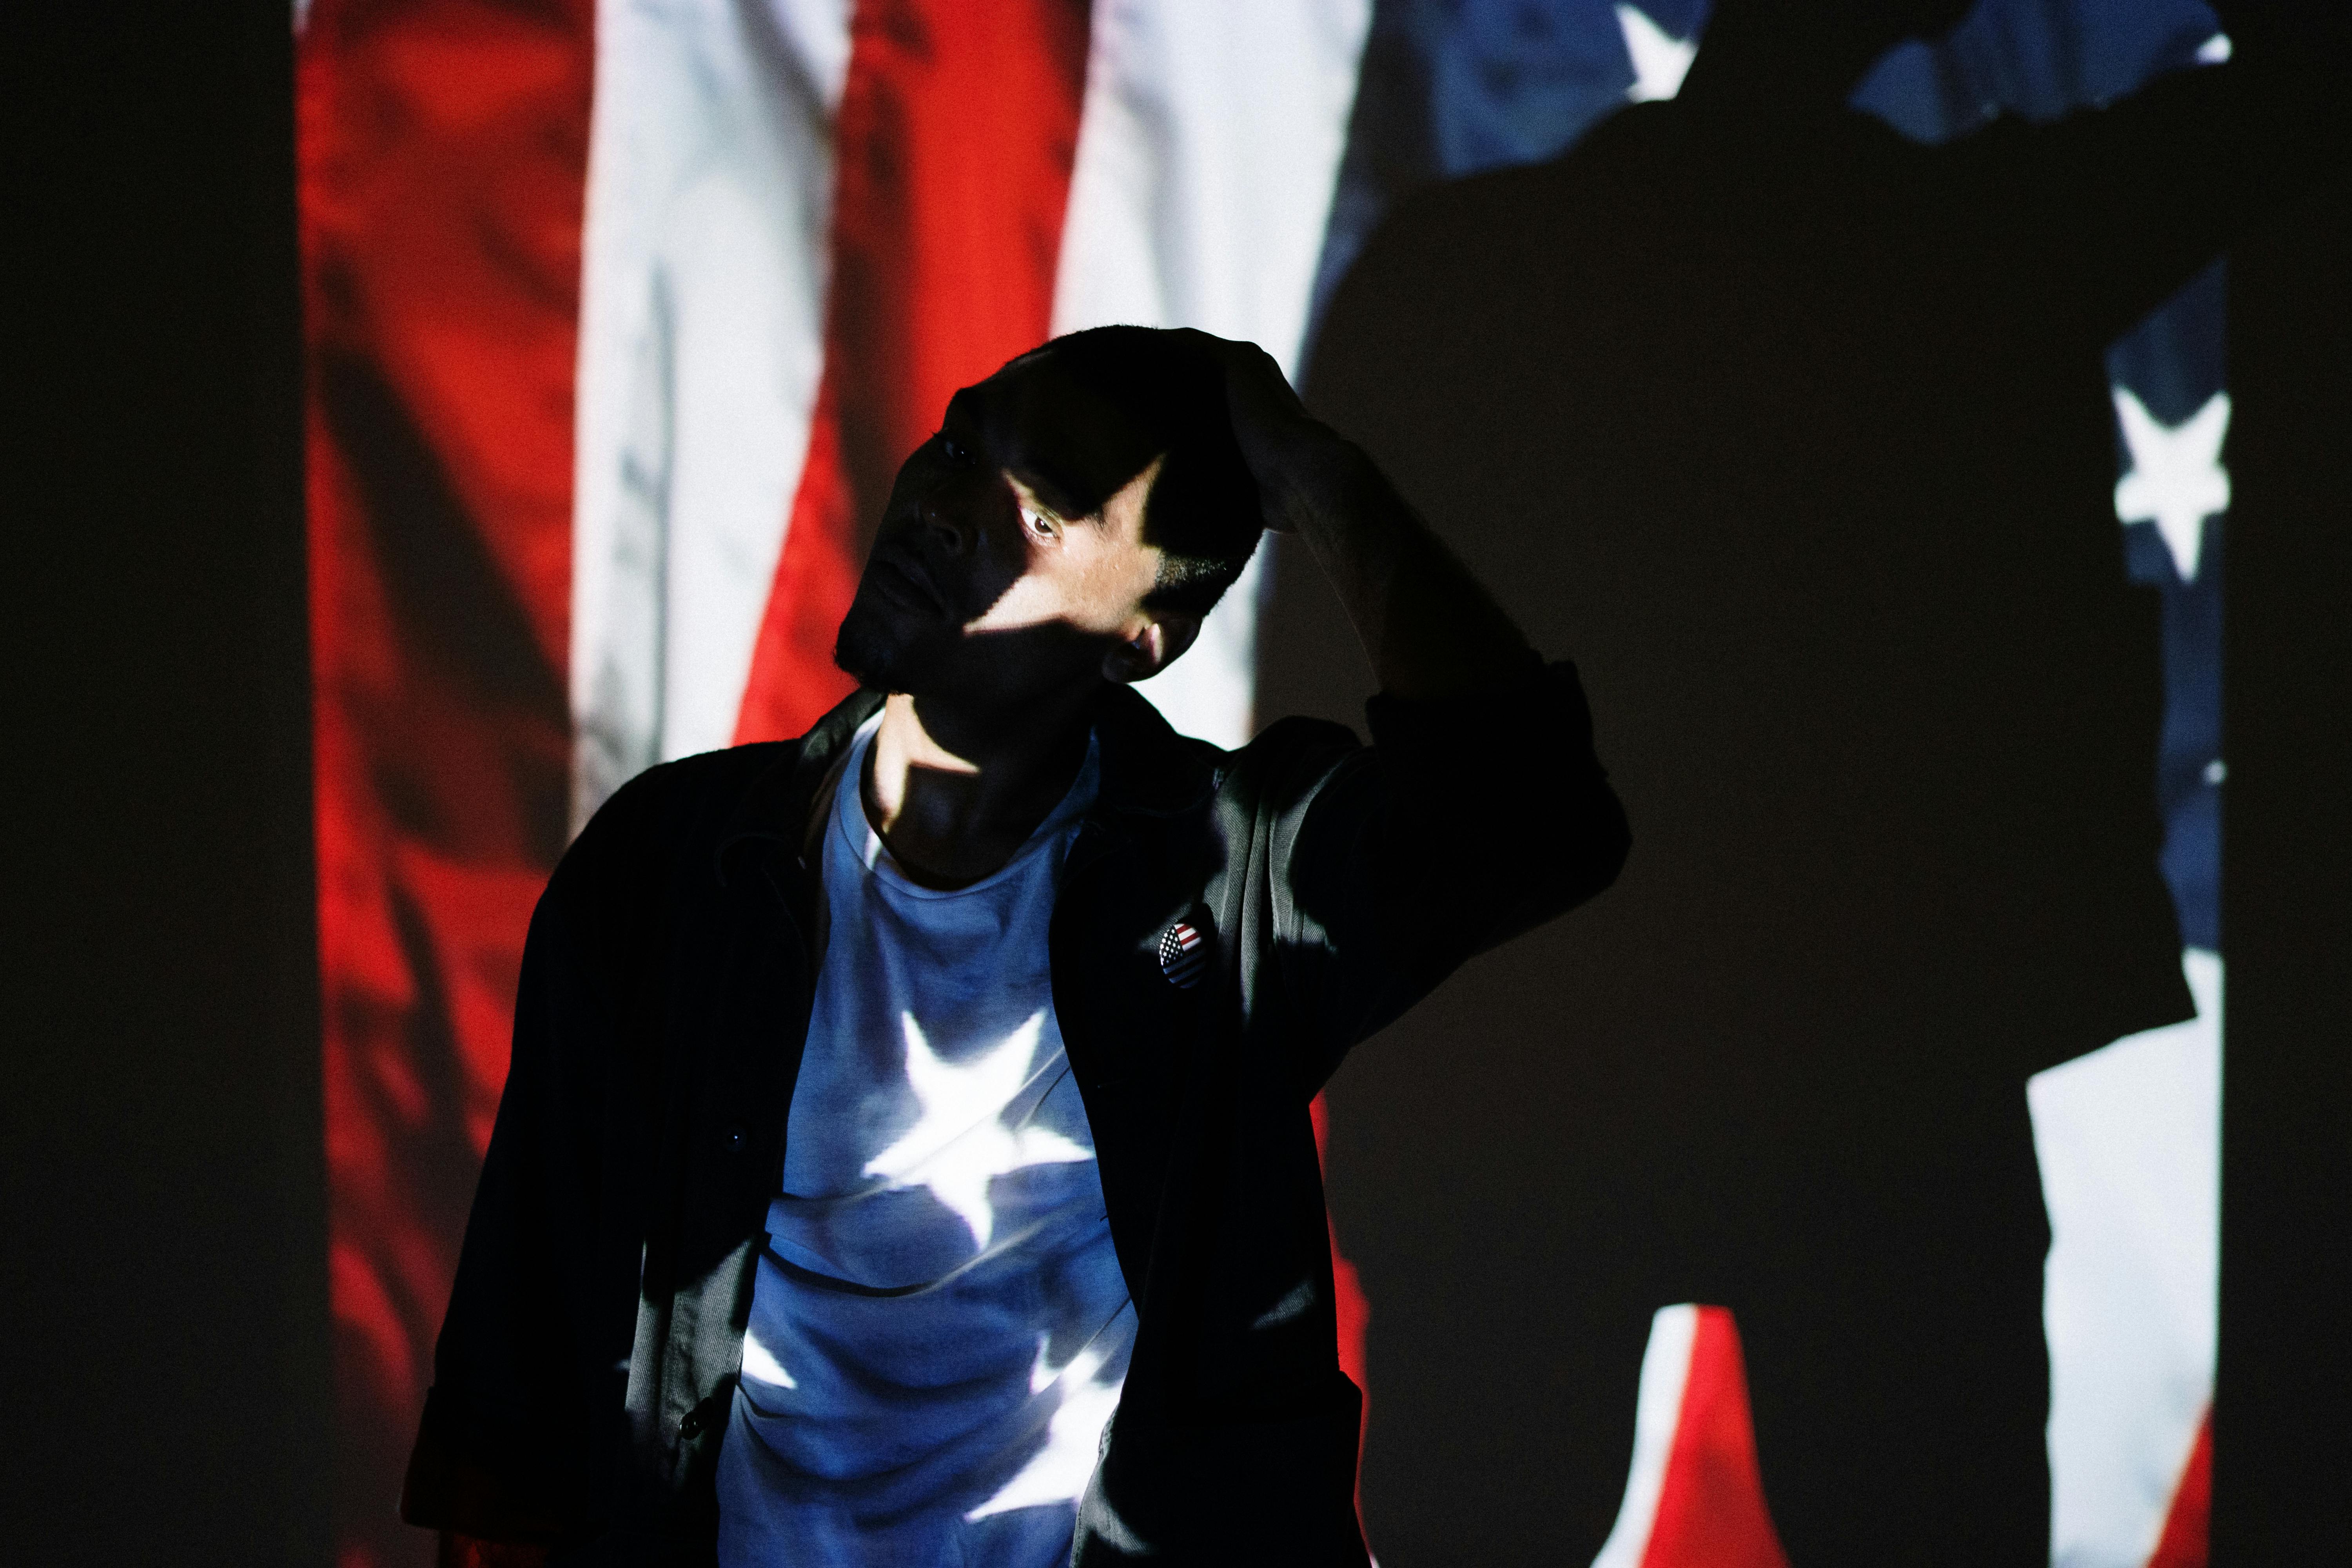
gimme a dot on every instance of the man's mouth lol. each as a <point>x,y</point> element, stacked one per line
<point>899,581</point>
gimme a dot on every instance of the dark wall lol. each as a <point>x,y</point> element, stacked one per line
<point>165,1287</point>
<point>2281,1493</point>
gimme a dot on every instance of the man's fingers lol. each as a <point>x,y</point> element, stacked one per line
<point>1270,422</point>
<point>1255,386</point>
<point>1244,362</point>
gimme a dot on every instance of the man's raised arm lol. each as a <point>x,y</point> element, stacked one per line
<point>1429,627</point>
<point>1390,872</point>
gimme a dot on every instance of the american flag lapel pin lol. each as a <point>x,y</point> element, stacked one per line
<point>1183,954</point>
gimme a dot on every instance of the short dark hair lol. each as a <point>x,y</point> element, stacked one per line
<point>1202,513</point>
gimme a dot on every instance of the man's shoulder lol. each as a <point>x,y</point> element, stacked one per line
<point>1290,759</point>
<point>685,806</point>
<point>1299,735</point>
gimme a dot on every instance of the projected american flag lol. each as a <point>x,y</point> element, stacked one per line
<point>620,316</point>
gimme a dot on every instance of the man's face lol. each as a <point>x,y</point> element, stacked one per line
<point>992,575</point>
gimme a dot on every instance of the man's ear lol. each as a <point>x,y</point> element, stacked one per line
<point>1151,650</point>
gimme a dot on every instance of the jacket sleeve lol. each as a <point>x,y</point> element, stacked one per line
<point>530,1369</point>
<point>1465,823</point>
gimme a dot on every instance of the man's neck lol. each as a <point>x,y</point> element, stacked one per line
<point>955,792</point>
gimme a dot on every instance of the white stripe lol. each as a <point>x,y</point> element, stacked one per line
<point>2129,1140</point>
<point>1207,155</point>
<point>701,337</point>
<point>1666,1373</point>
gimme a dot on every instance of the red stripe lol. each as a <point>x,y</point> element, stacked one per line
<point>1711,1510</point>
<point>443,157</point>
<point>958,127</point>
<point>2186,1524</point>
<point>1349,1304</point>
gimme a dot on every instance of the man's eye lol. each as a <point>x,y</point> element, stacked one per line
<point>955,454</point>
<point>1036,523</point>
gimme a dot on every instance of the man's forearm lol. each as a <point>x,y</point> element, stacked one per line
<point>1430,628</point>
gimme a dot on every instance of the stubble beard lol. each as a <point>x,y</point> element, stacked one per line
<point>878,655</point>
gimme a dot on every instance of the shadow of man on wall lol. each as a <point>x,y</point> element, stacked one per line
<point>1795,434</point>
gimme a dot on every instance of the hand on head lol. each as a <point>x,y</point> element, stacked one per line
<point>1279,439</point>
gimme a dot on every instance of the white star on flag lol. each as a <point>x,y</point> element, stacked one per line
<point>2176,479</point>
<point>1058,1472</point>
<point>950,1153</point>
<point>1660,59</point>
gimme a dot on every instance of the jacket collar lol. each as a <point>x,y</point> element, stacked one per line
<point>773,813</point>
<point>1147,770</point>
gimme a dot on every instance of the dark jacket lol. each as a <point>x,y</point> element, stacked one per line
<point>584,1371</point>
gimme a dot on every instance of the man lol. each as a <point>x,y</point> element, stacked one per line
<point>890,1106</point>
<point>1804,428</point>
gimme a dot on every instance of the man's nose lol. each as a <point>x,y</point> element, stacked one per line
<point>942,520</point>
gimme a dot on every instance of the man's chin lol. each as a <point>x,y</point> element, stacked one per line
<point>873,653</point>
